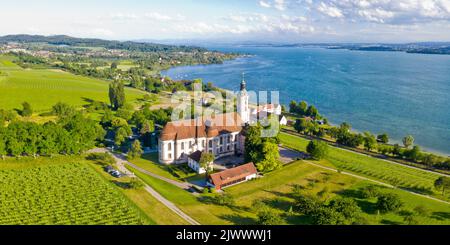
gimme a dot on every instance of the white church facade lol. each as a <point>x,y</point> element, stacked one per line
<point>218,134</point>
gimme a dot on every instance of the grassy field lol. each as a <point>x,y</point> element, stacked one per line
<point>275,190</point>
<point>394,174</point>
<point>197,206</point>
<point>150,163</point>
<point>63,190</point>
<point>43,88</point>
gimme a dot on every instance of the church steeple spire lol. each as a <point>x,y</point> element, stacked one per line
<point>242,100</point>
<point>243,85</point>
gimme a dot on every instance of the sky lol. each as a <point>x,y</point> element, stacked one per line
<point>283,21</point>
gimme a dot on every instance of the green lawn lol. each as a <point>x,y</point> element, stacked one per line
<point>397,175</point>
<point>150,163</point>
<point>43,88</point>
<point>62,190</point>
<point>275,189</point>
<point>202,211</point>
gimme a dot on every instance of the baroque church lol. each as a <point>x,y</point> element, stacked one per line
<point>220,134</point>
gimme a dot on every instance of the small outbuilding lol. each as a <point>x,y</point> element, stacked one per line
<point>233,176</point>
<point>194,162</point>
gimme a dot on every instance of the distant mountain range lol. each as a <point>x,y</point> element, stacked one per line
<point>421,48</point>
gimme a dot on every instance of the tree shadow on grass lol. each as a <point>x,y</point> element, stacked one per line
<point>420,190</point>
<point>239,219</point>
<point>299,219</point>
<point>365,205</point>
<point>441,215</point>
<point>123,185</point>
<point>389,222</point>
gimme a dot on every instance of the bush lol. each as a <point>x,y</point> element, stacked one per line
<point>388,203</point>
<point>269,217</point>
<point>136,184</point>
<point>101,158</point>
<point>347,207</point>
<point>224,199</point>
<point>307,204</point>
<point>370,192</point>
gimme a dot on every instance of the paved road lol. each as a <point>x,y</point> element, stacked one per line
<point>120,161</point>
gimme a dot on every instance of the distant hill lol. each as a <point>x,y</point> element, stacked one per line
<point>92,42</point>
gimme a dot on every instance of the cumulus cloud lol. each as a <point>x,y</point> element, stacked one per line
<point>330,10</point>
<point>251,23</point>
<point>264,4</point>
<point>385,11</point>
<point>277,4</point>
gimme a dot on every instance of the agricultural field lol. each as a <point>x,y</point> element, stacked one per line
<point>43,88</point>
<point>275,189</point>
<point>45,191</point>
<point>394,174</point>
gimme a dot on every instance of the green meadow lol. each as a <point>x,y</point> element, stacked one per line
<point>377,169</point>
<point>43,88</point>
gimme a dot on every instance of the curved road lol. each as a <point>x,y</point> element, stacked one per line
<point>120,161</point>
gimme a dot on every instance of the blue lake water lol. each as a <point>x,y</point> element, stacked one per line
<point>392,92</point>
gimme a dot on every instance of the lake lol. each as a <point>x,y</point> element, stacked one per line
<point>393,92</point>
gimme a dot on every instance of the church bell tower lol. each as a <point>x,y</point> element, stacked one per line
<point>242,102</point>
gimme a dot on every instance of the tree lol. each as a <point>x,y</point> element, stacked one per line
<point>317,149</point>
<point>116,94</point>
<point>268,217</point>
<point>206,161</point>
<point>293,106</point>
<point>63,110</point>
<point>442,183</point>
<point>253,143</point>
<point>135,150</point>
<point>408,141</point>
<point>383,138</point>
<point>224,199</point>
<point>301,125</point>
<point>370,142</point>
<point>327,216</point>
<point>413,154</point>
<point>106,120</point>
<point>26,109</point>
<point>120,136</point>
<point>302,108</point>
<point>347,207</point>
<point>270,156</point>
<point>114,65</point>
<point>3,151</point>
<point>312,111</point>
<point>388,202</point>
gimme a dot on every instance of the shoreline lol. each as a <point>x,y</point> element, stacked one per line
<point>393,141</point>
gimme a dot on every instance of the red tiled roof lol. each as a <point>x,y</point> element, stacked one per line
<point>202,127</point>
<point>233,174</point>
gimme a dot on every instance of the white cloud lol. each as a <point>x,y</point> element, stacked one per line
<point>280,5</point>
<point>330,10</point>
<point>264,4</point>
<point>277,4</point>
<point>397,12</point>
